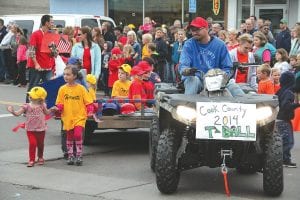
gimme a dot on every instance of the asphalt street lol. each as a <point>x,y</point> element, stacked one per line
<point>116,166</point>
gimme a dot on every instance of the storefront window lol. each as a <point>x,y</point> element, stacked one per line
<point>163,12</point>
<point>205,9</point>
<point>126,12</point>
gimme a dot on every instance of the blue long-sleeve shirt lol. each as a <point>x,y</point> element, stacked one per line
<point>204,57</point>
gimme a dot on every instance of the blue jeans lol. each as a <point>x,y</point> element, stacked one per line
<point>286,131</point>
<point>194,85</point>
<point>35,78</point>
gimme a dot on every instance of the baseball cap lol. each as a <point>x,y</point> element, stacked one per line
<point>126,68</point>
<point>74,61</point>
<point>116,50</point>
<point>90,78</point>
<point>37,93</point>
<point>283,21</point>
<point>199,22</point>
<point>127,108</point>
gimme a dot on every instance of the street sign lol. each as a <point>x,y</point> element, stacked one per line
<point>192,6</point>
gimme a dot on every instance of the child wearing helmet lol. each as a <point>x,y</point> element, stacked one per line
<point>35,124</point>
<point>114,63</point>
<point>136,89</point>
<point>91,85</point>
<point>121,87</point>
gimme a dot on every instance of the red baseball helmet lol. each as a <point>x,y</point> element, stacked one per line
<point>127,108</point>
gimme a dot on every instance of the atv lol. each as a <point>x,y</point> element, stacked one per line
<point>215,129</point>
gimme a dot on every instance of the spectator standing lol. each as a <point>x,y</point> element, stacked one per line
<point>215,28</point>
<point>286,113</point>
<point>35,124</point>
<point>8,60</point>
<point>249,26</point>
<point>232,39</point>
<point>266,30</point>
<point>282,60</point>
<point>105,57</point>
<point>132,40</point>
<point>275,75</point>
<point>295,44</point>
<point>3,32</point>
<point>121,39</point>
<point>283,38</point>
<point>176,51</point>
<point>88,51</point>
<point>261,52</point>
<point>22,61</point>
<point>162,51</point>
<point>146,39</point>
<point>265,84</point>
<point>98,37</point>
<point>128,53</point>
<point>107,32</point>
<point>40,64</point>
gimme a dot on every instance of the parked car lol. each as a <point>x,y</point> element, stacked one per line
<point>32,22</point>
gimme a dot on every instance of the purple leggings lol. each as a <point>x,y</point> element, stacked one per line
<point>75,135</point>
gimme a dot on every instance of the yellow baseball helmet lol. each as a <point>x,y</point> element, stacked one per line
<point>37,93</point>
<point>91,79</point>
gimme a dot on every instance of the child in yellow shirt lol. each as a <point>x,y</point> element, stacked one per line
<point>121,87</point>
<point>75,104</point>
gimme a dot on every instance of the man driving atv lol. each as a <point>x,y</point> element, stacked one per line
<point>201,53</point>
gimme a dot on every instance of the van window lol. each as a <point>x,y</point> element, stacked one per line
<point>89,22</point>
<point>102,21</point>
<point>61,23</point>
<point>26,26</point>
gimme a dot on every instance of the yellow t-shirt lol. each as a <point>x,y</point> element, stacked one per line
<point>145,52</point>
<point>120,89</point>
<point>74,99</point>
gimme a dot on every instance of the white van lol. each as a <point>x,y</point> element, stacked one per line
<point>32,22</point>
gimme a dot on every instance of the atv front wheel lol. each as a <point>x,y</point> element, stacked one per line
<point>153,140</point>
<point>273,170</point>
<point>166,169</point>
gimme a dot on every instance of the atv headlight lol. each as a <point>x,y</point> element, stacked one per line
<point>263,113</point>
<point>186,113</point>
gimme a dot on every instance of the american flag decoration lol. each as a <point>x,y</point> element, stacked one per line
<point>64,46</point>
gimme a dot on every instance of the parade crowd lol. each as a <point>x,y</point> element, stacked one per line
<point>126,62</point>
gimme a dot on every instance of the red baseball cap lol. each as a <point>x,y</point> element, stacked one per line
<point>116,50</point>
<point>145,66</point>
<point>199,22</point>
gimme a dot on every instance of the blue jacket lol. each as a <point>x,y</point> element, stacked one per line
<point>205,56</point>
<point>283,40</point>
<point>77,51</point>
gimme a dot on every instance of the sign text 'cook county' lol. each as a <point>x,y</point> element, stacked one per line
<point>226,121</point>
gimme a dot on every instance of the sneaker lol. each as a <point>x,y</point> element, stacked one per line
<point>30,164</point>
<point>289,164</point>
<point>40,161</point>
<point>79,161</point>
<point>70,160</point>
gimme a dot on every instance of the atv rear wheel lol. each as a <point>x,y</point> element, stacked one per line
<point>166,168</point>
<point>153,140</point>
<point>273,170</point>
